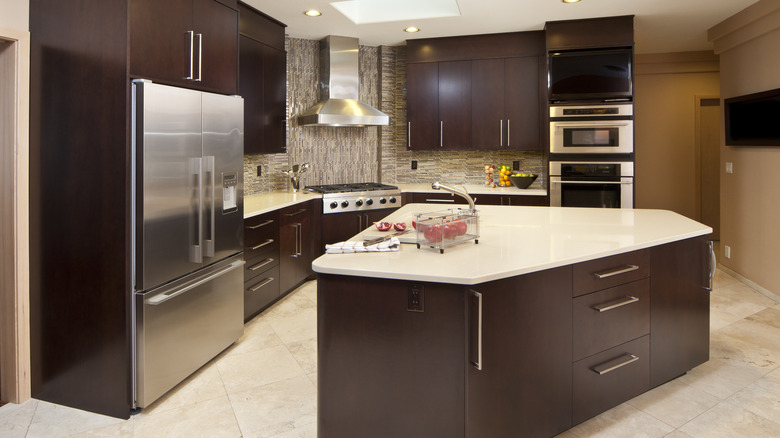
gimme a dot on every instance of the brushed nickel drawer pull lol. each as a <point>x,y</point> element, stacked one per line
<point>261,264</point>
<point>615,363</point>
<point>440,200</point>
<point>303,210</point>
<point>254,227</point>
<point>261,284</point>
<point>608,274</point>
<point>478,363</point>
<point>614,304</point>
<point>267,242</point>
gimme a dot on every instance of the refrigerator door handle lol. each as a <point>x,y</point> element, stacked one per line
<point>161,298</point>
<point>208,242</point>
<point>196,254</point>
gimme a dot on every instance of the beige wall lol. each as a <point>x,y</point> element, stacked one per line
<point>15,14</point>
<point>666,86</point>
<point>747,43</point>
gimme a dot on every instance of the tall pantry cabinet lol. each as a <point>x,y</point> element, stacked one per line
<point>83,57</point>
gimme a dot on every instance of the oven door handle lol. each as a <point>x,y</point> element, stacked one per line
<point>589,182</point>
<point>590,125</point>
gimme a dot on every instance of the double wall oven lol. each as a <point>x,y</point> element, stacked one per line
<point>592,155</point>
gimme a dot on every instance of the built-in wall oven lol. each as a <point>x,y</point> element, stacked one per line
<point>592,129</point>
<point>603,184</point>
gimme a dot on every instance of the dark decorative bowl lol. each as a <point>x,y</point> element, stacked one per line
<point>522,182</point>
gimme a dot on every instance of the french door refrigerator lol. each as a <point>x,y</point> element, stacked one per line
<point>187,232</point>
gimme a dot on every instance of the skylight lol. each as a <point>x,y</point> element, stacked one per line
<point>382,11</point>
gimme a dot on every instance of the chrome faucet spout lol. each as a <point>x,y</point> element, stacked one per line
<point>462,193</point>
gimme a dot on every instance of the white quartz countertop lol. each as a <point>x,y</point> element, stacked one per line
<point>515,241</point>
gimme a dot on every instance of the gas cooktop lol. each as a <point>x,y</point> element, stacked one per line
<point>353,187</point>
<point>342,198</point>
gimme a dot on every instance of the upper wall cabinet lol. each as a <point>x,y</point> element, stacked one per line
<point>193,43</point>
<point>475,92</point>
<point>262,82</point>
<point>591,33</point>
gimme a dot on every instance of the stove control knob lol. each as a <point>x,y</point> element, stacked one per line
<point>344,204</point>
<point>392,200</point>
<point>359,202</point>
<point>369,201</point>
<point>382,201</point>
<point>334,204</point>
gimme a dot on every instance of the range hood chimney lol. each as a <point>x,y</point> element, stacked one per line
<point>339,86</point>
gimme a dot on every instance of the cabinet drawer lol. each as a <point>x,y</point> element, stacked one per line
<point>609,378</point>
<point>260,291</point>
<point>258,265</point>
<point>611,317</point>
<point>261,235</point>
<point>611,271</point>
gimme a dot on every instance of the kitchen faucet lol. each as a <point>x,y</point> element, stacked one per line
<point>463,193</point>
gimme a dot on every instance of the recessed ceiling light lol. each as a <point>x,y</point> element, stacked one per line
<point>312,13</point>
<point>411,29</point>
<point>570,1</point>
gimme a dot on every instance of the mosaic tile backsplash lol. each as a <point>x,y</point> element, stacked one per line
<point>352,154</point>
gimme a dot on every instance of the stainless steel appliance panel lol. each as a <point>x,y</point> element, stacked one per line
<point>592,129</point>
<point>223,172</point>
<point>182,325</point>
<point>168,137</point>
<point>567,189</point>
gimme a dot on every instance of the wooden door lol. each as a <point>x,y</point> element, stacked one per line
<point>274,100</point>
<point>525,383</point>
<point>708,142</point>
<point>487,99</point>
<point>159,42</point>
<point>455,104</point>
<point>217,27</point>
<point>522,103</point>
<point>422,106</point>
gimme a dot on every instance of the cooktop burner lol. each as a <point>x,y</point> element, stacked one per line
<point>353,187</point>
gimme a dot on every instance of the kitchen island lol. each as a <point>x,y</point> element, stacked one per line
<point>556,315</point>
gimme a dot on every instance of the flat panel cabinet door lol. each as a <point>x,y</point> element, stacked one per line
<point>171,183</point>
<point>251,89</point>
<point>679,308</point>
<point>223,173</point>
<point>274,100</point>
<point>217,27</point>
<point>524,386</point>
<point>422,106</point>
<point>522,102</point>
<point>294,248</point>
<point>455,104</point>
<point>159,43</point>
<point>487,99</point>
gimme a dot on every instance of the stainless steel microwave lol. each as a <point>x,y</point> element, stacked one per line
<point>599,129</point>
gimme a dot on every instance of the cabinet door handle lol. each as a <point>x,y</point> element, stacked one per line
<point>261,264</point>
<point>713,265</point>
<point>440,200</point>
<point>501,128</point>
<point>254,227</point>
<point>607,274</point>
<point>478,363</point>
<point>200,57</point>
<point>612,365</point>
<point>267,242</point>
<point>441,134</point>
<point>261,284</point>
<point>614,304</point>
<point>191,74</point>
<point>508,131</point>
<point>299,240</point>
<point>409,135</point>
<point>359,223</point>
<point>303,210</point>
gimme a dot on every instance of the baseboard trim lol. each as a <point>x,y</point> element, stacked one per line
<point>763,291</point>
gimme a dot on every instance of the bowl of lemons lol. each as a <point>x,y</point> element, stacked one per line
<point>522,180</point>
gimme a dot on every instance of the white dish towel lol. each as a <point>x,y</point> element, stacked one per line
<point>393,244</point>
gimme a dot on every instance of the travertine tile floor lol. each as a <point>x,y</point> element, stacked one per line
<point>265,385</point>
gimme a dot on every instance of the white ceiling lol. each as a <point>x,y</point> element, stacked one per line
<point>660,25</point>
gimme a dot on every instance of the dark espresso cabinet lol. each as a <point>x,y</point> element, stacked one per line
<point>590,33</point>
<point>299,242</point>
<point>340,227</point>
<point>262,82</point>
<point>192,43</point>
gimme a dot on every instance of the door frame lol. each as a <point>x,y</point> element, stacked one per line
<point>698,151</point>
<point>14,216</point>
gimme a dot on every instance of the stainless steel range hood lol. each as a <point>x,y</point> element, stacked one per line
<point>339,86</point>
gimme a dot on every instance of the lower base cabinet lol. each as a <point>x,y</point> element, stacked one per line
<point>399,358</point>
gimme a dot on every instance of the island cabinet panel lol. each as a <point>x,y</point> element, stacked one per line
<point>611,271</point>
<point>524,385</point>
<point>606,379</point>
<point>385,371</point>
<point>340,227</point>
<point>191,43</point>
<point>680,308</point>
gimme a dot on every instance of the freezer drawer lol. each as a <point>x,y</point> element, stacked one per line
<point>183,325</point>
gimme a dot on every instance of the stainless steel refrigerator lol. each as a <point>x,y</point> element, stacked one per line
<point>187,204</point>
